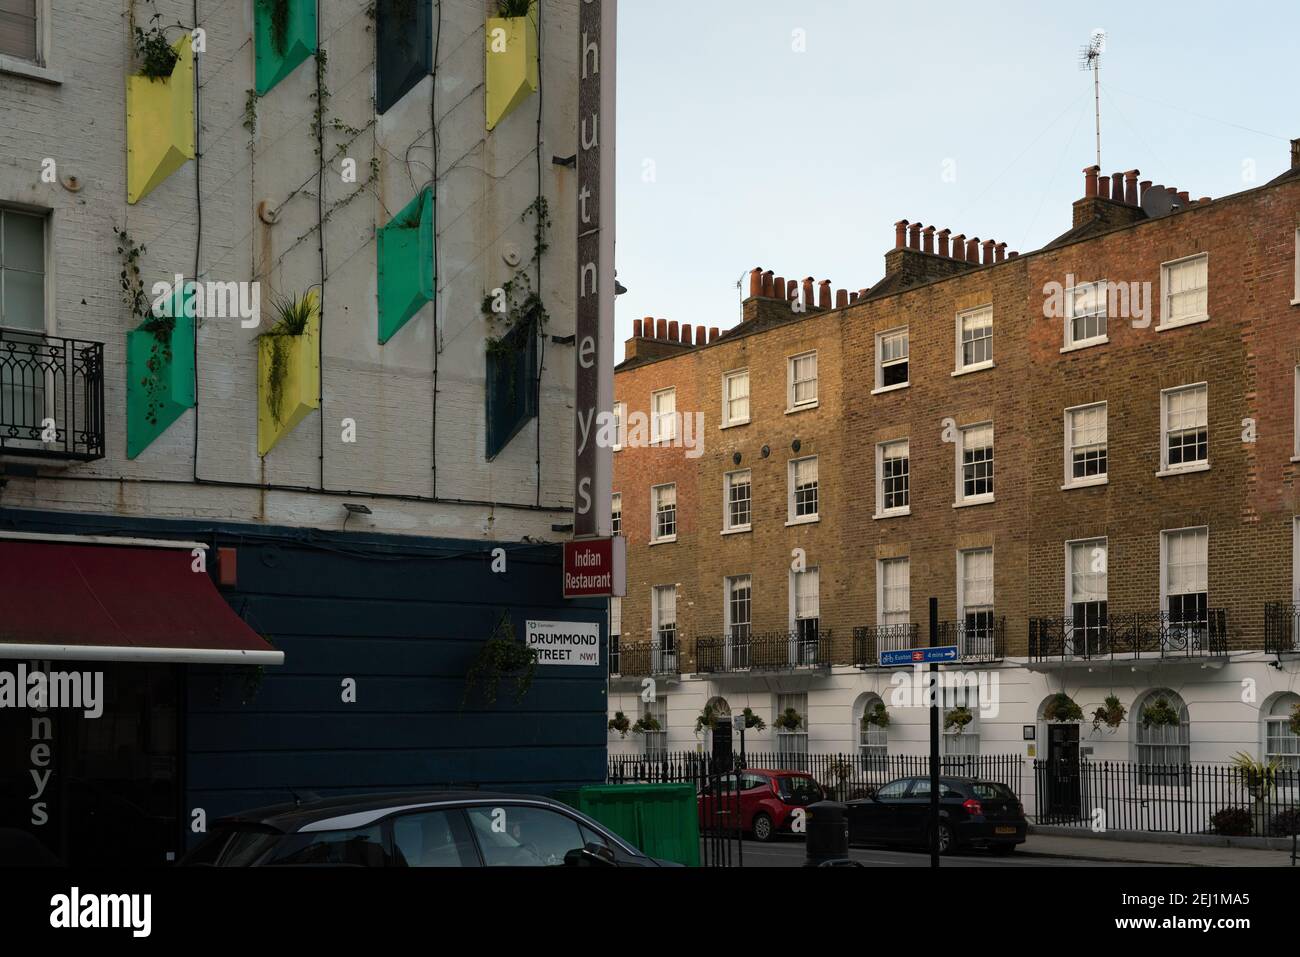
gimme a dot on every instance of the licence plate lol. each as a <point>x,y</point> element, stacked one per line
<point>1004,830</point>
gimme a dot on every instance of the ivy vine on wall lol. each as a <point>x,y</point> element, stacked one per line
<point>159,327</point>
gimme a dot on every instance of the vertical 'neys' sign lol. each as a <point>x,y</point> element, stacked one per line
<point>594,328</point>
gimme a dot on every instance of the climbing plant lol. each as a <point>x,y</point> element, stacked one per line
<point>321,95</point>
<point>278,10</point>
<point>159,327</point>
<point>156,55</point>
<point>513,8</point>
<point>516,304</point>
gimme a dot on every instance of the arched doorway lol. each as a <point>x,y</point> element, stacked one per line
<point>1061,784</point>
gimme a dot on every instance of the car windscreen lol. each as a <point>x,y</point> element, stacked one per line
<point>238,844</point>
<point>799,790</point>
<point>990,791</point>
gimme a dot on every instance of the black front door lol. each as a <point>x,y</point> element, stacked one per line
<point>1063,793</point>
<point>102,790</point>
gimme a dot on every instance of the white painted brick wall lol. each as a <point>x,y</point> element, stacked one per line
<point>487,181</point>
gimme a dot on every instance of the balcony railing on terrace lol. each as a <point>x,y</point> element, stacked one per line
<point>777,651</point>
<point>643,659</point>
<point>977,639</point>
<point>1141,634</point>
<point>1281,627</point>
<point>51,396</point>
<point>870,641</point>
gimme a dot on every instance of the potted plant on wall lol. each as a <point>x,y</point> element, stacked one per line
<point>620,723</point>
<point>1111,714</point>
<point>159,109</point>
<point>957,719</point>
<point>1259,778</point>
<point>288,368</point>
<point>1160,713</point>
<point>501,656</point>
<point>1061,707</point>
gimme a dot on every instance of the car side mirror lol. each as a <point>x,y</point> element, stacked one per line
<point>592,855</point>
<point>871,793</point>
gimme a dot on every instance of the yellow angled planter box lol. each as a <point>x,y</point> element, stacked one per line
<point>159,124</point>
<point>279,412</point>
<point>511,64</point>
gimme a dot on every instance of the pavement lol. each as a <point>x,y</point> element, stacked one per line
<point>1039,850</point>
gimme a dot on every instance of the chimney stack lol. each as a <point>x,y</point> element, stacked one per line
<point>959,247</point>
<point>755,282</point>
<point>792,290</point>
<point>1131,187</point>
<point>1103,188</point>
<point>778,288</point>
<point>841,298</point>
<point>914,236</point>
<point>927,240</point>
<point>973,251</point>
<point>767,284</point>
<point>808,293</point>
<point>988,251</point>
<point>943,243</point>
<point>699,335</point>
<point>1001,252</point>
<point>1142,190</point>
<point>900,234</point>
<point>713,333</point>
<point>1090,181</point>
<point>1295,154</point>
<point>1117,187</point>
<point>824,294</point>
<point>686,334</point>
<point>661,328</point>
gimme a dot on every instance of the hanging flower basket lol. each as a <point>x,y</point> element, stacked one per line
<point>788,720</point>
<point>957,719</point>
<point>1061,707</point>
<point>1160,714</point>
<point>877,717</point>
<point>752,721</point>
<point>620,723</point>
<point>645,723</point>
<point>1112,714</point>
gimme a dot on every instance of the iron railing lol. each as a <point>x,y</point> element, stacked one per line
<point>1142,634</point>
<point>844,776</point>
<point>644,659</point>
<point>51,396</point>
<point>869,642</point>
<point>1179,798</point>
<point>1280,632</point>
<point>776,651</point>
<point>978,640</point>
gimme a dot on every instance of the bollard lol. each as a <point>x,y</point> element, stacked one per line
<point>828,835</point>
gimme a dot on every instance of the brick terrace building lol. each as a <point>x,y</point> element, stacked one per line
<point>1101,495</point>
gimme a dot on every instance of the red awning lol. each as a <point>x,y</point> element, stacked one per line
<point>118,603</point>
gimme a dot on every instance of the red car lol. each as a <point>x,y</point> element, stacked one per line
<point>768,800</point>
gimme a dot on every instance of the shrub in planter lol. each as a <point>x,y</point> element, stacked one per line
<point>1061,707</point>
<point>1285,823</point>
<point>1232,822</point>
<point>788,720</point>
<point>1111,714</point>
<point>877,717</point>
<point>288,369</point>
<point>1159,713</point>
<point>752,721</point>
<point>647,722</point>
<point>620,723</point>
<point>957,719</point>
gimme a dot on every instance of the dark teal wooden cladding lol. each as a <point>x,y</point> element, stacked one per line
<point>403,618</point>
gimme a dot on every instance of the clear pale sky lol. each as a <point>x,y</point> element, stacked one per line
<point>736,151</point>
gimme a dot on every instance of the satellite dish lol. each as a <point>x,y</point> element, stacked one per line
<point>1157,202</point>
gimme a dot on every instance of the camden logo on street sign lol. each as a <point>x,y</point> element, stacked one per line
<point>919,656</point>
<point>564,642</point>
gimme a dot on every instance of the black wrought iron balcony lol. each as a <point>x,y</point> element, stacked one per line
<point>1281,627</point>
<point>869,642</point>
<point>51,396</point>
<point>978,638</point>
<point>644,659</point>
<point>776,651</point>
<point>1141,634</point>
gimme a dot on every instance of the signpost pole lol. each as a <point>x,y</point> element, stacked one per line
<point>934,737</point>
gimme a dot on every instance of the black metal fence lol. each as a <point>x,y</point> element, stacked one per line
<point>1183,799</point>
<point>1142,634</point>
<point>1281,635</point>
<point>51,396</point>
<point>869,642</point>
<point>775,651</point>
<point>843,776</point>
<point>978,639</point>
<point>643,659</point>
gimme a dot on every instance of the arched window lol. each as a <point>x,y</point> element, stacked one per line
<point>1280,742</point>
<point>1163,735</point>
<point>871,738</point>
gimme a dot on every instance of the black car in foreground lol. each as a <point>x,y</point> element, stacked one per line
<point>433,829</point>
<point>972,813</point>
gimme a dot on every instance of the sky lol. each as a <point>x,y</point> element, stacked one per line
<point>735,149</point>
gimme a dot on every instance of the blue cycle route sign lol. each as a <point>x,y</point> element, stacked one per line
<point>919,656</point>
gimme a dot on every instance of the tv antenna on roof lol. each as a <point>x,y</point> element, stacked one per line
<point>1090,59</point>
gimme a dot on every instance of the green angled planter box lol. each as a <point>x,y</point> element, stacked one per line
<point>273,63</point>
<point>156,399</point>
<point>661,820</point>
<point>405,264</point>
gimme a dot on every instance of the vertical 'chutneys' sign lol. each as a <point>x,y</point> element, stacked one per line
<point>594,380</point>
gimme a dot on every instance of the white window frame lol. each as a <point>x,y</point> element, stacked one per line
<point>798,739</point>
<point>1295,419</point>
<point>1295,559</point>
<point>794,596</point>
<point>898,511</point>
<point>1100,541</point>
<point>962,499</point>
<point>961,367</point>
<point>791,405</point>
<point>620,426</point>
<point>791,518</point>
<point>1068,437</point>
<point>1164,561</point>
<point>728,583</point>
<point>616,497</point>
<point>1165,321</point>
<point>1182,468</point>
<point>47,265</point>
<point>655,537</point>
<point>656,742</point>
<point>40,68</point>
<point>1296,300</point>
<point>881,611</point>
<point>961,580</point>
<point>727,527</point>
<point>1100,287</point>
<point>727,377</point>
<point>880,362</point>
<point>657,436</point>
